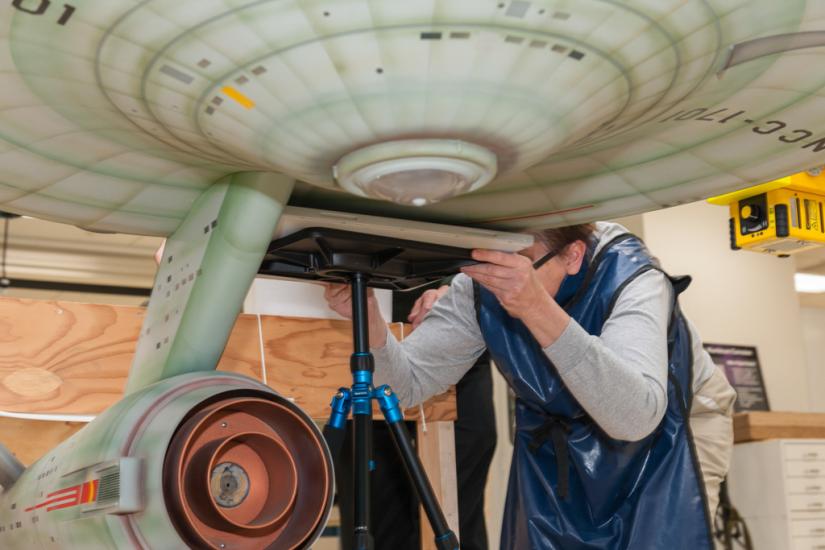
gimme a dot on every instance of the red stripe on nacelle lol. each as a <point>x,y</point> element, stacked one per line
<point>69,497</point>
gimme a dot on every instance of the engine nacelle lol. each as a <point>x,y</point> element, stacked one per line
<point>207,460</point>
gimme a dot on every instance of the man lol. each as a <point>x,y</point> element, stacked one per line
<point>587,331</point>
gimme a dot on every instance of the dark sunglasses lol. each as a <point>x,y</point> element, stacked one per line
<point>544,259</point>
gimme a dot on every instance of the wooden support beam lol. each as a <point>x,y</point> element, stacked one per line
<point>436,447</point>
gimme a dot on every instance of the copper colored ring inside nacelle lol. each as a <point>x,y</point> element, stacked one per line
<point>269,454</point>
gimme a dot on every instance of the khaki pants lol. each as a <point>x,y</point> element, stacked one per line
<point>712,425</point>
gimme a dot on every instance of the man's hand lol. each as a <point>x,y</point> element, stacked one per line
<point>512,279</point>
<point>424,304</point>
<point>159,252</point>
<point>339,299</point>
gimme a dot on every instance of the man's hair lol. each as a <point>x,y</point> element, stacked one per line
<point>556,238</point>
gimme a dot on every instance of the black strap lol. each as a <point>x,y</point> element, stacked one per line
<point>557,429</point>
<point>680,283</point>
<point>544,259</point>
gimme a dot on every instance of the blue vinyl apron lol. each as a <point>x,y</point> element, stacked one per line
<point>572,487</point>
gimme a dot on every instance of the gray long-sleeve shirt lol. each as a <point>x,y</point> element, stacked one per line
<point>619,377</point>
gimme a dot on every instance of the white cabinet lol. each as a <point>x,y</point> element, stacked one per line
<point>778,486</point>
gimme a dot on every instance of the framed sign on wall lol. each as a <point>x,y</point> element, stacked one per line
<point>741,366</point>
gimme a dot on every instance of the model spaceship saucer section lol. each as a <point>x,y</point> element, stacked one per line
<point>116,114</point>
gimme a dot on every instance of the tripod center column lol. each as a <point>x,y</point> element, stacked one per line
<point>362,367</point>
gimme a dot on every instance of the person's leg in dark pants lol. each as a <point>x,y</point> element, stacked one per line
<point>475,443</point>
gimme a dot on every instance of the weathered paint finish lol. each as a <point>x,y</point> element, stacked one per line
<point>140,426</point>
<point>204,275</point>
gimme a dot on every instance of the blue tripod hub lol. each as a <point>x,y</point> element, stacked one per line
<point>343,403</point>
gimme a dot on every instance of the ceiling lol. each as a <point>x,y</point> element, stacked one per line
<point>57,253</point>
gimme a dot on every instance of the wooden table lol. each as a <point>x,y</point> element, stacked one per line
<point>65,358</point>
<point>759,425</point>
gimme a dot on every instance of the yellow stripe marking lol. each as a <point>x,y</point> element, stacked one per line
<point>242,99</point>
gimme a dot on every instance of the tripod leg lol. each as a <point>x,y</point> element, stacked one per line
<point>445,539</point>
<point>362,426</point>
<point>335,428</point>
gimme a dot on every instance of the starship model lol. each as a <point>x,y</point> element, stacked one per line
<point>207,120</point>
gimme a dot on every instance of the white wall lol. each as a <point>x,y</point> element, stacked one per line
<point>634,224</point>
<point>268,296</point>
<point>813,333</point>
<point>736,297</point>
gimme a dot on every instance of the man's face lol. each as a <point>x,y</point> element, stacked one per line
<point>553,272</point>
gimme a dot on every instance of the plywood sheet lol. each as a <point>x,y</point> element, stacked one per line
<point>31,439</point>
<point>71,358</point>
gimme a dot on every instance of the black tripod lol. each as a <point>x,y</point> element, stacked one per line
<point>361,261</point>
<point>358,398</point>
